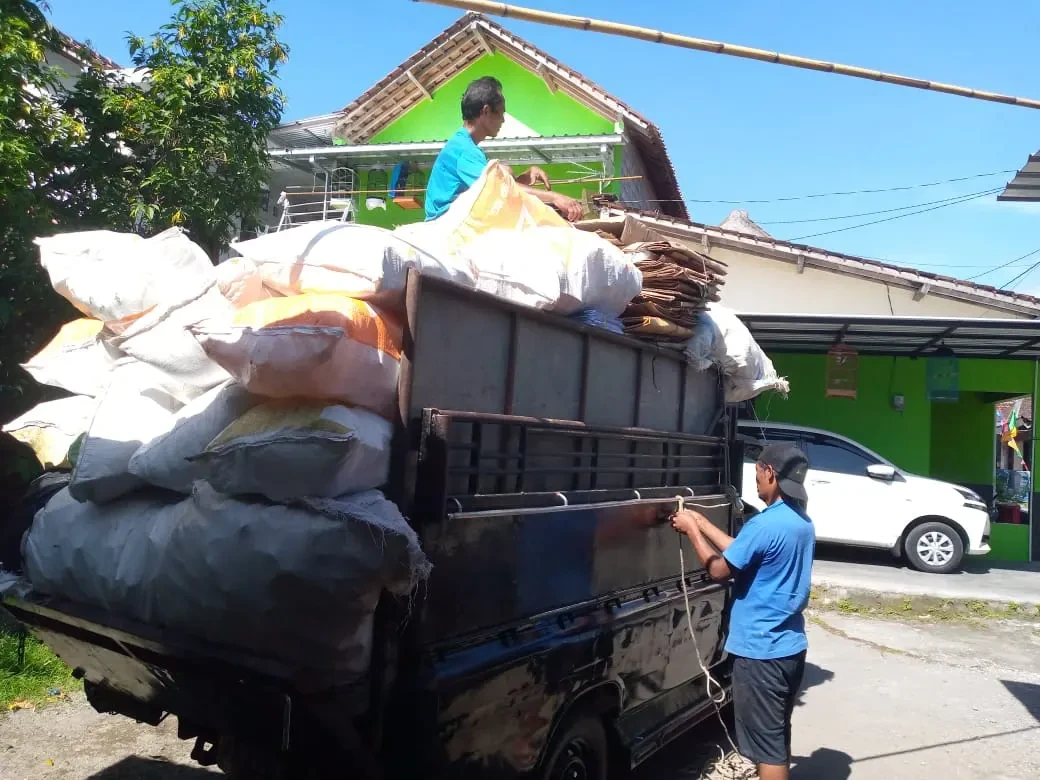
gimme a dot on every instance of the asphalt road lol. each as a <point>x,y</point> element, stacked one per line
<point>876,570</point>
<point>883,701</point>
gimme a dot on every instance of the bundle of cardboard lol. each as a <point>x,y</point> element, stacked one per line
<point>678,282</point>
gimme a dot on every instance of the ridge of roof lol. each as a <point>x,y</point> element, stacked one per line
<point>924,277</point>
<point>644,133</point>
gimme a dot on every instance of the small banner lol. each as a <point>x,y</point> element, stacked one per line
<point>842,372</point>
<point>942,378</point>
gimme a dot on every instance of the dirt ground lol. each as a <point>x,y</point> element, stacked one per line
<point>884,700</point>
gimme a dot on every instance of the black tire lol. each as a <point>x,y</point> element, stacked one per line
<point>934,547</point>
<point>578,751</point>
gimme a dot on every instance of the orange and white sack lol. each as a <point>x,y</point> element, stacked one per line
<point>291,449</point>
<point>241,282</point>
<point>360,261</point>
<point>494,202</point>
<point>110,276</point>
<point>162,338</point>
<point>310,346</point>
<point>51,428</point>
<point>76,359</point>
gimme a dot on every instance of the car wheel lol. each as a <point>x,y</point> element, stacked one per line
<point>934,547</point>
<point>578,751</point>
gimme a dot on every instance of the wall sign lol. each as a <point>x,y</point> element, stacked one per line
<point>842,372</point>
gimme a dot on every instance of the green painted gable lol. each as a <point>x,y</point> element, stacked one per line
<point>528,99</point>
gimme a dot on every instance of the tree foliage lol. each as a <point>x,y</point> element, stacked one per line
<point>182,142</point>
<point>31,124</point>
<point>196,130</point>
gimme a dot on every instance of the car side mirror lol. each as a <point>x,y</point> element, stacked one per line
<point>881,471</point>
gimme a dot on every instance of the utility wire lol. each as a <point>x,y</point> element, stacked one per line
<point>1008,264</point>
<point>963,199</point>
<point>1021,276</point>
<point>864,213</point>
<point>834,194</point>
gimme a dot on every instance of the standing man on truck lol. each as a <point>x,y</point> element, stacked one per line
<point>461,161</point>
<point>770,562</point>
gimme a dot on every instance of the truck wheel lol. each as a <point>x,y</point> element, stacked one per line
<point>934,547</point>
<point>578,751</point>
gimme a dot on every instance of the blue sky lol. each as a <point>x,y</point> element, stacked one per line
<point>737,129</point>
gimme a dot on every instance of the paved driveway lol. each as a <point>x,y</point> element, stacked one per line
<point>981,579</point>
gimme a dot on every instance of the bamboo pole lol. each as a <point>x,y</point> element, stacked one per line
<point>718,47</point>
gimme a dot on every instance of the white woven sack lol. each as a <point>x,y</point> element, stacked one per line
<point>162,339</point>
<point>76,359</point>
<point>110,276</point>
<point>51,428</point>
<point>134,409</point>
<point>290,450</point>
<point>360,261</point>
<point>165,461</point>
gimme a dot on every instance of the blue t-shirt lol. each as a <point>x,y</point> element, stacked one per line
<point>459,164</point>
<point>773,557</point>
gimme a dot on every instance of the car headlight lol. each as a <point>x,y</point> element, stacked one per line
<point>970,495</point>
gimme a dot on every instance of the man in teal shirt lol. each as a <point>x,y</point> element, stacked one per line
<point>461,161</point>
<point>770,563</point>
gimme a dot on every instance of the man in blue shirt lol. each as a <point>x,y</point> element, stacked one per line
<point>461,161</point>
<point>770,562</point>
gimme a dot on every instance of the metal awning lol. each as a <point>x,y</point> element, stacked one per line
<point>1025,187</point>
<point>900,336</point>
<point>536,150</point>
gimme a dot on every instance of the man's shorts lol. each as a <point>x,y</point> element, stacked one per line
<point>764,694</point>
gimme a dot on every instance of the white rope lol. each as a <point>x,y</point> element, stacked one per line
<point>732,765</point>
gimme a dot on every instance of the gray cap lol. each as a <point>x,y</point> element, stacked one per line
<point>790,465</point>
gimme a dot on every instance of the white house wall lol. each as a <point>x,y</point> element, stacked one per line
<point>757,284</point>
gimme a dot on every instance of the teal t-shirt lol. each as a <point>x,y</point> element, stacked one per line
<point>772,556</point>
<point>459,164</point>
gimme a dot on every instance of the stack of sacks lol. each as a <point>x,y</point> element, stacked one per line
<point>523,251</point>
<point>226,444</point>
<point>678,282</point>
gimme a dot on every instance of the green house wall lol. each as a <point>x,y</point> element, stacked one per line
<point>947,440</point>
<point>528,99</point>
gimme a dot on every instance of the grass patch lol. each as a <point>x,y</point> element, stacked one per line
<point>920,608</point>
<point>32,682</point>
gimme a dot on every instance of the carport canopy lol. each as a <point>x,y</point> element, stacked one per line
<point>1008,339</point>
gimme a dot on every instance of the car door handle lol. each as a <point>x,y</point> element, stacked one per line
<point>819,482</point>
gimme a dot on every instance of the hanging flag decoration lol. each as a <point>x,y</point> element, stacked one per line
<point>842,372</point>
<point>942,376</point>
<point>1009,433</point>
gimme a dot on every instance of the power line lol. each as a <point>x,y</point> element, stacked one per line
<point>1022,275</point>
<point>963,199</point>
<point>833,194</point>
<point>863,213</point>
<point>1004,265</point>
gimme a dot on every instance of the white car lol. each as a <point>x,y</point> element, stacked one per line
<point>858,498</point>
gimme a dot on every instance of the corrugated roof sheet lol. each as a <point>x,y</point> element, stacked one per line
<point>1025,186</point>
<point>923,280</point>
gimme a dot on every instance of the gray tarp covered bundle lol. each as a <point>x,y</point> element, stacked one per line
<point>298,583</point>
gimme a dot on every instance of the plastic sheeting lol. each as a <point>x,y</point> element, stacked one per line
<point>298,583</point>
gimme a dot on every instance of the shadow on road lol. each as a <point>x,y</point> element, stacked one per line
<point>1027,693</point>
<point>137,768</point>
<point>823,764</point>
<point>814,675</point>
